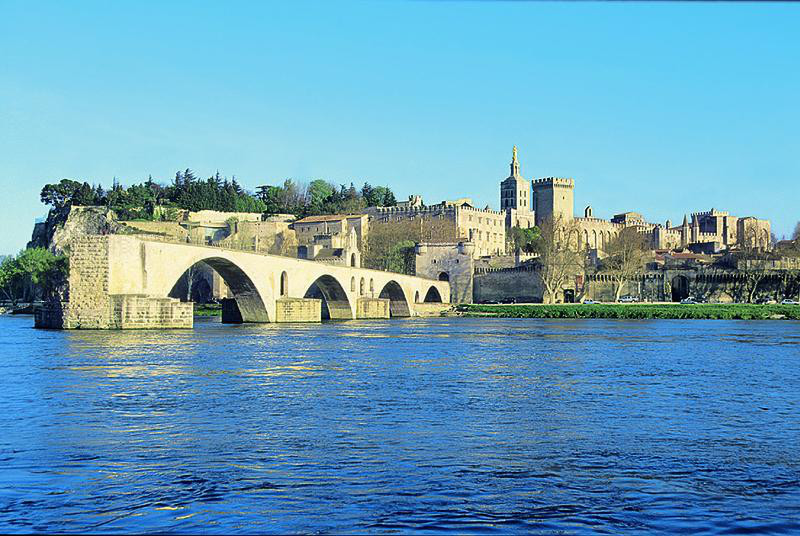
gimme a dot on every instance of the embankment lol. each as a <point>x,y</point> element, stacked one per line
<point>635,311</point>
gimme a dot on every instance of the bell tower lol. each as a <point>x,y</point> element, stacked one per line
<point>515,197</point>
<point>515,191</point>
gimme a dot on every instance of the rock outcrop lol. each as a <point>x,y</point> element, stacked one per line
<point>64,225</point>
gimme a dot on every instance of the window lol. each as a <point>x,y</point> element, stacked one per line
<point>284,284</point>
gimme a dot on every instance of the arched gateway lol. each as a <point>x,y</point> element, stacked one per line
<point>680,288</point>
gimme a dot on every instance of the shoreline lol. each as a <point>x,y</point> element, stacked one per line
<point>700,311</point>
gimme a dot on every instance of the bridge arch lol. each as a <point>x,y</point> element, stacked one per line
<point>335,305</point>
<point>398,304</point>
<point>433,296</point>
<point>244,291</point>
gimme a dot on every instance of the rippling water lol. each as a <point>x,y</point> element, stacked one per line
<point>471,425</point>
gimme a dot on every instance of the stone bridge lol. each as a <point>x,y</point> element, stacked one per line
<point>122,282</point>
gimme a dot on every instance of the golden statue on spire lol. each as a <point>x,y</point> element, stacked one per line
<point>515,154</point>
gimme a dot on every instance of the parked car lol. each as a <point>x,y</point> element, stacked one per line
<point>790,302</point>
<point>508,300</point>
<point>590,302</point>
<point>688,301</point>
<point>628,299</point>
<point>766,301</point>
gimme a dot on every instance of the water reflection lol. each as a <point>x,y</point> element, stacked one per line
<point>407,425</point>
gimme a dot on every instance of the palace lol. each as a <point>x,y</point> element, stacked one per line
<point>553,198</point>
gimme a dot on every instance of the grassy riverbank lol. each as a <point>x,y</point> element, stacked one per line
<point>635,311</point>
<point>207,309</point>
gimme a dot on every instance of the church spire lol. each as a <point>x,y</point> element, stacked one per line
<point>514,163</point>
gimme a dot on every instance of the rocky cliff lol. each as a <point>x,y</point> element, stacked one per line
<point>64,225</point>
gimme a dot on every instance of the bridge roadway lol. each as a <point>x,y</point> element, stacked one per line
<point>121,281</point>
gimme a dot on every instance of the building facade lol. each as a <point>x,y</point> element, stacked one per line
<point>705,232</point>
<point>485,228</point>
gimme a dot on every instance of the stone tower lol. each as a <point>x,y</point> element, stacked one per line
<point>515,197</point>
<point>553,198</point>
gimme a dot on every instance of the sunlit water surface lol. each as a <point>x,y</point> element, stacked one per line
<point>400,426</point>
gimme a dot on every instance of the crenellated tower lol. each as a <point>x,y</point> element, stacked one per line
<point>553,198</point>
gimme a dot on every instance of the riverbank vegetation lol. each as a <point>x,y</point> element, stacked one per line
<point>635,311</point>
<point>207,309</point>
<point>33,274</point>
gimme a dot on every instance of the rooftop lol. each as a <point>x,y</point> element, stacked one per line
<point>327,217</point>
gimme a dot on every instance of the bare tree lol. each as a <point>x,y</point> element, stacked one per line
<point>390,245</point>
<point>627,254</point>
<point>752,263</point>
<point>560,255</point>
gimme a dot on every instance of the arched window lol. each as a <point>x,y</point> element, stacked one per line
<point>353,260</point>
<point>361,286</point>
<point>352,284</point>
<point>372,286</point>
<point>284,284</point>
<point>416,297</point>
<point>444,276</point>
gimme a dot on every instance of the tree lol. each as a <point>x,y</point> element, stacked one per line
<point>560,255</point>
<point>751,261</point>
<point>390,245</point>
<point>524,239</point>
<point>317,193</point>
<point>34,273</point>
<point>384,197</point>
<point>627,254</point>
<point>68,192</point>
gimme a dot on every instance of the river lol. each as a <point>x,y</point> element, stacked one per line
<point>419,425</point>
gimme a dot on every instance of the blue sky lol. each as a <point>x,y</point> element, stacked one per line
<point>657,107</point>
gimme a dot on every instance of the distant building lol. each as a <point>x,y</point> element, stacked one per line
<point>453,262</point>
<point>485,228</point>
<point>706,232</point>
<point>309,228</point>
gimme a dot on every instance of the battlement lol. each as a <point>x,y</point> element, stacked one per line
<point>606,223</point>
<point>554,181</point>
<point>712,212</point>
<point>413,210</point>
<point>431,209</point>
<point>483,210</point>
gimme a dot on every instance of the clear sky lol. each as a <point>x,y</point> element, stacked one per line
<point>657,107</point>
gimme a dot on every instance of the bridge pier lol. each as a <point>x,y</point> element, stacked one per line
<point>372,308</point>
<point>298,310</point>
